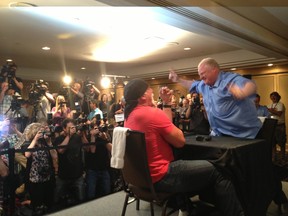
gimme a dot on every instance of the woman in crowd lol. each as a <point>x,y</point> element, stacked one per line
<point>103,104</point>
<point>40,170</point>
<point>60,111</point>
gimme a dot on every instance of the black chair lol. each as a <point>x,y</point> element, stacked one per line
<point>136,174</point>
<point>267,132</point>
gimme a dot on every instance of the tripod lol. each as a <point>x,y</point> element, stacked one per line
<point>36,106</point>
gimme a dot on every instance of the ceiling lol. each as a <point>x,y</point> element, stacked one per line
<point>139,41</point>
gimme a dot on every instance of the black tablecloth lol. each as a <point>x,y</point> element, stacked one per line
<point>246,161</point>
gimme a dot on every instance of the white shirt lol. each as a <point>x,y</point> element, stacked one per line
<point>279,107</point>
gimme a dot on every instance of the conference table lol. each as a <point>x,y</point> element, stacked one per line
<point>246,161</point>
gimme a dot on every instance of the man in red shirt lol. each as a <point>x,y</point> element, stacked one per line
<point>161,136</point>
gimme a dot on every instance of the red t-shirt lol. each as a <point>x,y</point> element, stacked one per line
<point>156,125</point>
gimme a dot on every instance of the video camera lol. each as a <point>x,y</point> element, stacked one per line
<point>8,70</point>
<point>16,102</point>
<point>81,123</point>
<point>88,84</point>
<point>37,90</point>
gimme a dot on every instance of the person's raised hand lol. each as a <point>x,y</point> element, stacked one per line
<point>165,94</point>
<point>173,76</point>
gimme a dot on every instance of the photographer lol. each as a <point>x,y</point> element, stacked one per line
<point>41,100</point>
<point>90,93</point>
<point>77,97</point>
<point>97,160</point>
<point>8,74</point>
<point>183,120</point>
<point>70,164</point>
<point>197,115</point>
<point>40,170</point>
<point>60,111</point>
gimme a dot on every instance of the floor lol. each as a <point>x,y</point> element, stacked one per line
<point>112,206</point>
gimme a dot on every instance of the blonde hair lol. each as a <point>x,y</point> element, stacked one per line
<point>59,97</point>
<point>31,130</point>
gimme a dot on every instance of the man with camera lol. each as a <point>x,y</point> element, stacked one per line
<point>41,99</point>
<point>77,97</point>
<point>97,160</point>
<point>197,115</point>
<point>70,165</point>
<point>91,92</point>
<point>8,74</point>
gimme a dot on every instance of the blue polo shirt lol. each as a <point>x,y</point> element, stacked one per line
<point>262,111</point>
<point>94,113</point>
<point>227,115</point>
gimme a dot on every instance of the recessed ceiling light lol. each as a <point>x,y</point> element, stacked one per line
<point>152,78</point>
<point>45,48</point>
<point>83,68</point>
<point>9,60</point>
<point>187,48</point>
<point>233,69</point>
<point>270,65</point>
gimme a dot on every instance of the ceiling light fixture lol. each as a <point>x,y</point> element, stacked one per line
<point>270,65</point>
<point>187,48</point>
<point>233,69</point>
<point>45,48</point>
<point>83,68</point>
<point>9,60</point>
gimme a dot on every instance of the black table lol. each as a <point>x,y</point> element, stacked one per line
<point>247,161</point>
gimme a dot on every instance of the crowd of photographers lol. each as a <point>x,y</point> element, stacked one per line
<point>62,143</point>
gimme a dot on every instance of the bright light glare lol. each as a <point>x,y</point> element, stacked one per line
<point>105,82</point>
<point>123,33</point>
<point>67,80</point>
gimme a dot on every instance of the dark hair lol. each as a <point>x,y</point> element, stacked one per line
<point>276,94</point>
<point>68,120</point>
<point>257,96</point>
<point>94,101</point>
<point>103,96</point>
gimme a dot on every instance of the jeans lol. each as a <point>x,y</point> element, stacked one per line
<point>76,186</point>
<point>194,176</point>
<point>98,183</point>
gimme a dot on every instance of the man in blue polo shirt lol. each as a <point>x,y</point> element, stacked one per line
<point>94,110</point>
<point>226,97</point>
<point>262,111</point>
